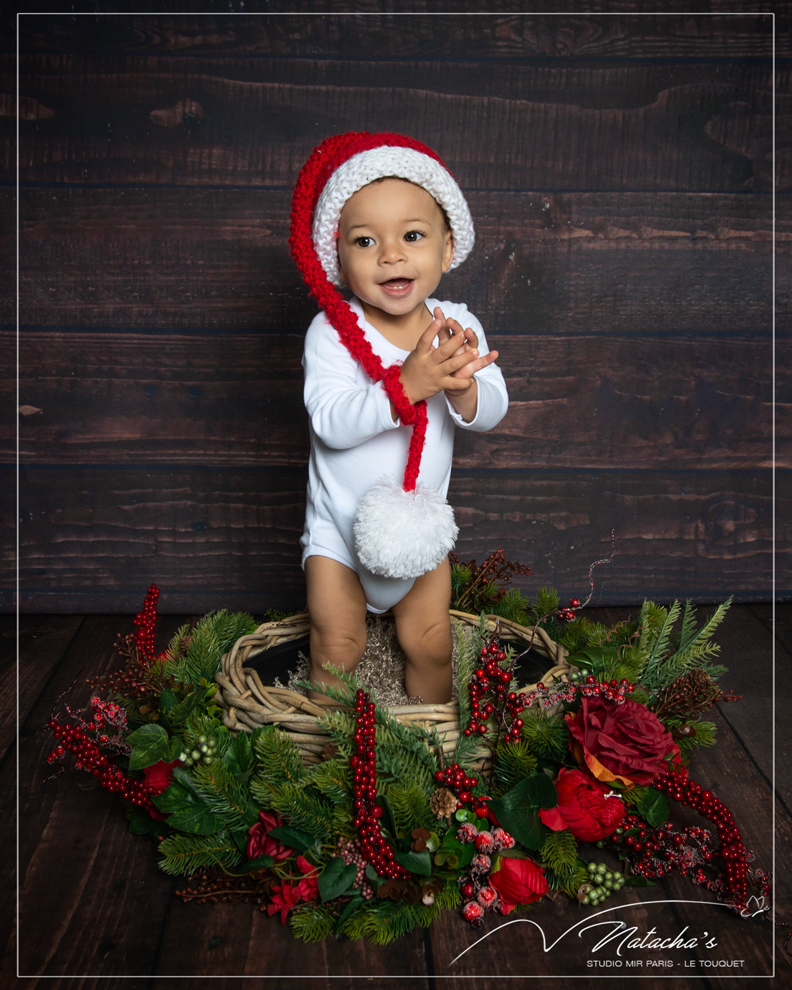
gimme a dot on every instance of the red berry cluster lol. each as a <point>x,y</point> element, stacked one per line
<point>90,758</point>
<point>732,886</point>
<point>568,614</point>
<point>478,896</point>
<point>146,622</point>
<point>367,812</point>
<point>457,781</point>
<point>504,708</point>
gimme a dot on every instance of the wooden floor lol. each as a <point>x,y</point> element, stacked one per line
<point>93,906</point>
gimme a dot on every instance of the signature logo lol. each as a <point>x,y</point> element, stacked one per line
<point>622,931</point>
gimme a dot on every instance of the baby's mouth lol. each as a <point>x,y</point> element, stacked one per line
<point>397,286</point>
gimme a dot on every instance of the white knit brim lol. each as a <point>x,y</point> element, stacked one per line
<point>379,163</point>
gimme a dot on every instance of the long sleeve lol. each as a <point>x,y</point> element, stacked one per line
<point>493,399</point>
<point>345,407</point>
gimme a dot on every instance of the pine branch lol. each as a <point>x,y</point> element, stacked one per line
<point>312,924</point>
<point>331,778</point>
<point>181,855</point>
<point>303,808</point>
<point>559,852</point>
<point>410,804</point>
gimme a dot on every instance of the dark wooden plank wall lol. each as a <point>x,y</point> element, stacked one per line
<point>620,173</point>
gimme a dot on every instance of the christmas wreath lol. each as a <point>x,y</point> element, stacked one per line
<point>384,833</point>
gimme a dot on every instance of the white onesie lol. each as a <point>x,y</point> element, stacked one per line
<point>355,442</point>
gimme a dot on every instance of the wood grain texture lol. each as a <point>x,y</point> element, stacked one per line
<point>43,643</point>
<point>409,32</point>
<point>229,539</point>
<point>708,134</point>
<point>543,262</point>
<point>597,401</point>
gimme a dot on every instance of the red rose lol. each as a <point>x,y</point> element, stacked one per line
<point>623,742</point>
<point>583,807</point>
<point>159,776</point>
<point>260,843</point>
<point>518,881</point>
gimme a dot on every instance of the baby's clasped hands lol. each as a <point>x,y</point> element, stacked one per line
<point>449,367</point>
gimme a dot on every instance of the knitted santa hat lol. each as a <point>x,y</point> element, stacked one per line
<point>400,531</point>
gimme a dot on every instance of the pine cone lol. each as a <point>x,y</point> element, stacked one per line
<point>329,750</point>
<point>443,802</point>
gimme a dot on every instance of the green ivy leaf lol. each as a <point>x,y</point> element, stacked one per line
<point>638,882</point>
<point>150,744</point>
<point>141,823</point>
<point>292,837</point>
<point>336,879</point>
<point>258,863</point>
<point>653,806</point>
<point>348,911</point>
<point>415,862</point>
<point>167,701</point>
<point>238,758</point>
<point>518,809</point>
<point>186,806</point>
<point>185,708</point>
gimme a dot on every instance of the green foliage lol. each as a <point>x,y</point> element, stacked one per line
<point>546,735</point>
<point>513,606</point>
<point>278,761</point>
<point>181,855</point>
<point>705,736</point>
<point>212,636</point>
<point>225,796</point>
<point>545,603</point>
<point>461,576</point>
<point>331,777</point>
<point>514,762</point>
<point>410,804</point>
<point>663,657</point>
<point>304,808</point>
<point>389,920</point>
<point>312,924</point>
<point>559,852</point>
<point>568,882</point>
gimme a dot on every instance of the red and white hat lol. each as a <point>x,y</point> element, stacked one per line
<point>400,531</point>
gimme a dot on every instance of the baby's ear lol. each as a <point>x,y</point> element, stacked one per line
<point>448,250</point>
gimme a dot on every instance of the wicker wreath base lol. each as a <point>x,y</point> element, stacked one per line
<point>248,703</point>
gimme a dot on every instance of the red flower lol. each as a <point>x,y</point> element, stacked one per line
<point>518,881</point>
<point>623,742</point>
<point>286,896</point>
<point>583,807</point>
<point>260,843</point>
<point>159,776</point>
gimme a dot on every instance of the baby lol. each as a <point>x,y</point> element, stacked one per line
<point>388,377</point>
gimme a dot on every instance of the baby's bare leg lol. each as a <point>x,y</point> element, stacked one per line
<point>337,610</point>
<point>423,626</point>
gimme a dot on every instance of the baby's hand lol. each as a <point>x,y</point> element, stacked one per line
<point>428,369</point>
<point>451,329</point>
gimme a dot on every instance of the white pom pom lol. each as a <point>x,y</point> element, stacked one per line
<point>401,534</point>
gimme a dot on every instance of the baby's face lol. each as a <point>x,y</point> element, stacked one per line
<point>393,246</point>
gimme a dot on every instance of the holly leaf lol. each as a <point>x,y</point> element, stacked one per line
<point>150,744</point>
<point>415,862</point>
<point>336,879</point>
<point>653,806</point>
<point>292,837</point>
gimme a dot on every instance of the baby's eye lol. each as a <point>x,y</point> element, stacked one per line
<point>364,241</point>
<point>413,235</point>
